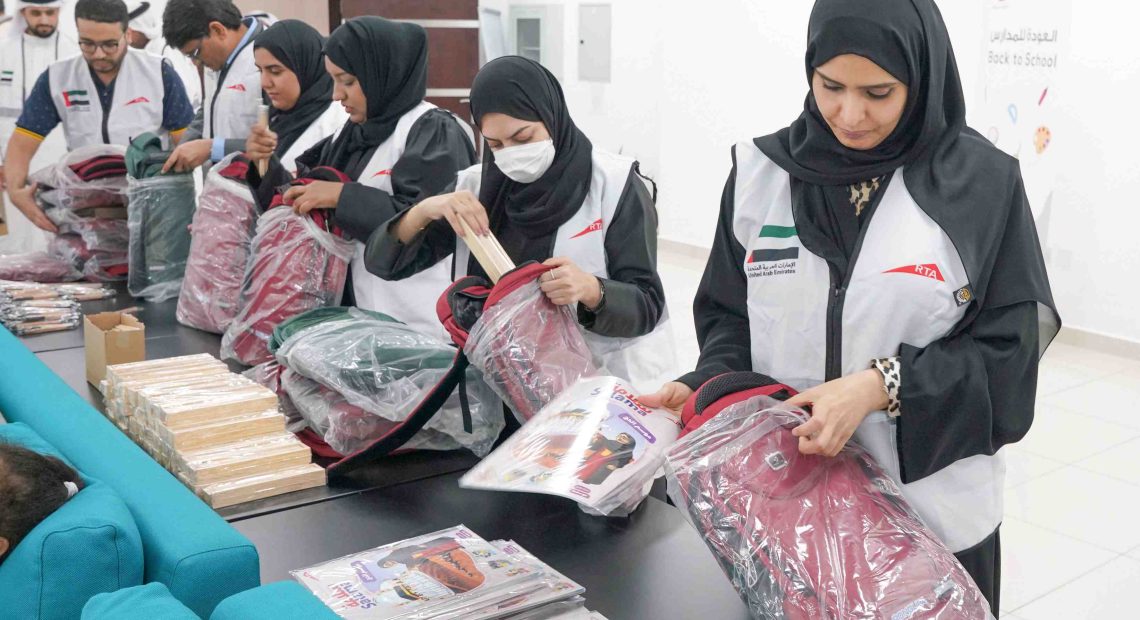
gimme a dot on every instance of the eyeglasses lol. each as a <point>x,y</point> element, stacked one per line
<point>196,55</point>
<point>109,47</point>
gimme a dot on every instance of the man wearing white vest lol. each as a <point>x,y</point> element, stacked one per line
<point>110,94</point>
<point>145,33</point>
<point>27,46</point>
<point>213,33</point>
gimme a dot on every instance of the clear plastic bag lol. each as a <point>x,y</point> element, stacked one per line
<point>37,267</point>
<point>269,375</point>
<point>805,536</point>
<point>106,267</point>
<point>159,212</point>
<point>529,350</point>
<point>294,266</point>
<point>219,252</point>
<point>62,187</point>
<point>69,247</point>
<point>383,370</point>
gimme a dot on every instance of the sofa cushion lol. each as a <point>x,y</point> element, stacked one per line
<point>150,602</point>
<point>282,600</point>
<point>88,546</point>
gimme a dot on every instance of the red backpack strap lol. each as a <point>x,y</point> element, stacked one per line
<point>461,305</point>
<point>516,278</point>
<point>725,390</point>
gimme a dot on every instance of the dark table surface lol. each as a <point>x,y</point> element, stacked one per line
<point>650,565</point>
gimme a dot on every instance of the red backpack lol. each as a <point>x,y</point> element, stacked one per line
<point>806,536</point>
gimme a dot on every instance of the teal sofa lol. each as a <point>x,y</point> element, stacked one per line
<point>186,546</point>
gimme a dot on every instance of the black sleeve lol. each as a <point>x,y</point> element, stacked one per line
<point>634,297</point>
<point>968,394</point>
<point>385,257</point>
<point>436,150</point>
<point>720,309</point>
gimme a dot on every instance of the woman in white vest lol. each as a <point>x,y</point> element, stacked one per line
<point>548,195</point>
<point>302,113</point>
<point>881,257</point>
<point>396,147</point>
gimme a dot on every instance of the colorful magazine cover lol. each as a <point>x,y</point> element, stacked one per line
<point>417,578</point>
<point>594,443</point>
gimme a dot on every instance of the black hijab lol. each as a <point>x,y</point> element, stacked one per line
<point>961,181</point>
<point>532,212</point>
<point>299,47</point>
<point>390,61</point>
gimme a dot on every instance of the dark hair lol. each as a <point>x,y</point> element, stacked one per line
<point>186,20</point>
<point>31,487</point>
<point>103,11</point>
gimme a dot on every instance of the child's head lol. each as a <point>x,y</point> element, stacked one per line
<point>32,486</point>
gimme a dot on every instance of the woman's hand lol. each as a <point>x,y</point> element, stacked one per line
<point>672,396</point>
<point>260,144</point>
<point>315,195</point>
<point>567,284</point>
<point>456,208</point>
<point>837,408</point>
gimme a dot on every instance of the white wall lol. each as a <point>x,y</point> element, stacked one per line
<point>689,80</point>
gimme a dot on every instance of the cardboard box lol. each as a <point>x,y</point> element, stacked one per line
<point>111,338</point>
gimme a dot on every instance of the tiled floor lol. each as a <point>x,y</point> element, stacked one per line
<point>1071,536</point>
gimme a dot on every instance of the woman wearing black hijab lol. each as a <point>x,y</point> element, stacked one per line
<point>290,56</point>
<point>398,149</point>
<point>548,195</point>
<point>880,256</point>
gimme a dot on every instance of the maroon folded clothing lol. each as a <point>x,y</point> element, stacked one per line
<point>100,168</point>
<point>37,267</point>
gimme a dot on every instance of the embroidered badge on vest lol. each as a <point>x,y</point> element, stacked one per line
<point>772,262</point>
<point>75,98</point>
<point>929,270</point>
<point>7,76</point>
<point>594,227</point>
<point>963,296</point>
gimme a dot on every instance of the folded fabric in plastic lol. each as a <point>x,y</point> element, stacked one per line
<point>297,263</point>
<point>806,536</point>
<point>90,176</point>
<point>221,233</point>
<point>159,211</point>
<point>37,267</point>
<point>379,371</point>
<point>528,349</point>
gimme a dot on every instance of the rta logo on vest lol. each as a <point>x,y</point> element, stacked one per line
<point>136,100</point>
<point>237,87</point>
<point>594,227</point>
<point>929,270</point>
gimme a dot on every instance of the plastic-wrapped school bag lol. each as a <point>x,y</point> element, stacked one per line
<point>806,536</point>
<point>386,369</point>
<point>159,210</point>
<point>37,267</point>
<point>528,349</point>
<point>297,263</point>
<point>88,177</point>
<point>219,248</point>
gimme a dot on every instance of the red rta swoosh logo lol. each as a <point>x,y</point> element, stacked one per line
<point>137,100</point>
<point>929,270</point>
<point>240,87</point>
<point>595,227</point>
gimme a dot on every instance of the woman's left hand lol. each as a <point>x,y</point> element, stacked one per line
<point>315,195</point>
<point>567,284</point>
<point>837,408</point>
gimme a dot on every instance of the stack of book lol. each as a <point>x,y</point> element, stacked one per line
<point>449,574</point>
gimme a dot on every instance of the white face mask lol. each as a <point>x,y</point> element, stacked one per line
<point>525,163</point>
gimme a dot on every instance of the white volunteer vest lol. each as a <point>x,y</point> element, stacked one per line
<point>902,290</point>
<point>646,361</point>
<point>22,59</point>
<point>411,300</point>
<point>136,105</point>
<point>327,124</point>
<point>229,108</point>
